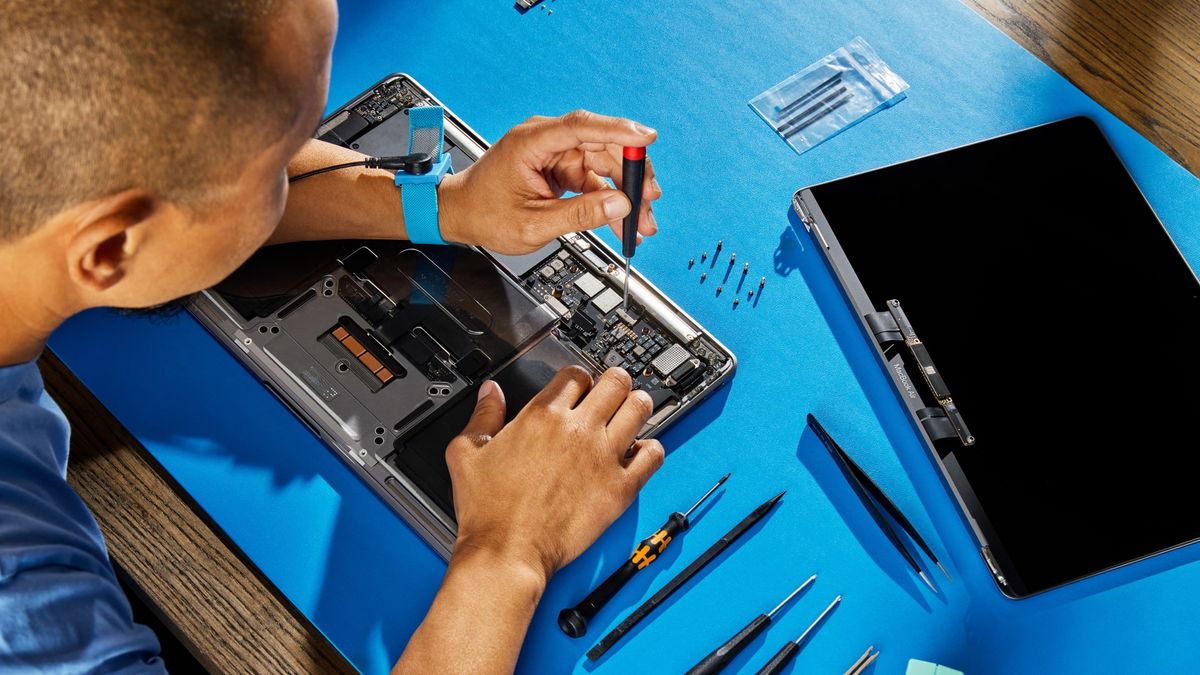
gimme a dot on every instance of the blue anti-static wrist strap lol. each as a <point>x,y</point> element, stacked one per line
<point>419,192</point>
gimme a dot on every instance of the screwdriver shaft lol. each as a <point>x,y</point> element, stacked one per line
<point>820,617</point>
<point>792,595</point>
<point>707,495</point>
<point>625,296</point>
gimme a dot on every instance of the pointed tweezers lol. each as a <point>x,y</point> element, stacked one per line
<point>871,495</point>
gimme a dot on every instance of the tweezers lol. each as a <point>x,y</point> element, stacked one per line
<point>863,661</point>
<point>875,499</point>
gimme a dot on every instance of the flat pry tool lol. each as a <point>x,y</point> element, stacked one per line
<point>574,620</point>
<point>633,177</point>
<point>874,498</point>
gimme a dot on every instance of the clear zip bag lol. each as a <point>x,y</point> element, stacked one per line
<point>830,95</point>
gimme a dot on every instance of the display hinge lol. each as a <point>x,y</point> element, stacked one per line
<point>892,326</point>
<point>884,327</point>
<point>994,566</point>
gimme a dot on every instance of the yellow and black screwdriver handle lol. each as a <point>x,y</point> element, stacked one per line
<point>574,620</point>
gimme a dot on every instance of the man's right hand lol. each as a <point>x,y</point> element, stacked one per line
<point>537,492</point>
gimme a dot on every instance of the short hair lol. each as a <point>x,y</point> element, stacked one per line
<point>100,96</point>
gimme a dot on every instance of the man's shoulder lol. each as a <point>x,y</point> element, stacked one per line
<point>33,428</point>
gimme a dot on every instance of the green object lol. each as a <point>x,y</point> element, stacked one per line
<point>918,667</point>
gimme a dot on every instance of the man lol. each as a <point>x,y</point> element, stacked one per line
<point>145,157</point>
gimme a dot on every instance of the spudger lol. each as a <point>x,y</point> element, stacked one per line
<point>633,177</point>
<point>721,656</point>
<point>574,620</point>
<point>682,578</point>
<point>790,649</point>
<point>870,494</point>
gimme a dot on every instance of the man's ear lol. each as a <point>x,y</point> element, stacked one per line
<point>106,235</point>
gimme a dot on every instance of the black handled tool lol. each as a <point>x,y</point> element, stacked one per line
<point>682,578</point>
<point>574,620</point>
<point>785,655</point>
<point>633,175</point>
<point>721,656</point>
<point>877,504</point>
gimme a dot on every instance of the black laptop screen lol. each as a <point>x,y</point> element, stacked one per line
<point>1065,323</point>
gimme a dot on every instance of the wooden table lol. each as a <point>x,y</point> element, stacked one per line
<point>1140,60</point>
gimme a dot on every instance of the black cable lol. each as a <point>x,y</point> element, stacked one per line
<point>327,169</point>
<point>418,163</point>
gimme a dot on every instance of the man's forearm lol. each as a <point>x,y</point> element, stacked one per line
<point>478,619</point>
<point>354,203</point>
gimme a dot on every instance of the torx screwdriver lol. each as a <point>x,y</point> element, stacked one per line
<point>721,656</point>
<point>574,620</point>
<point>647,608</point>
<point>785,655</point>
<point>633,177</point>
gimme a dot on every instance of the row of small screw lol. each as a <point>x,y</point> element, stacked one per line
<point>732,259</point>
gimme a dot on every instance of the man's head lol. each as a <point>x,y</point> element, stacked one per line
<point>146,140</point>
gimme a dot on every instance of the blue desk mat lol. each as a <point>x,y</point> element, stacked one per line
<point>687,69</point>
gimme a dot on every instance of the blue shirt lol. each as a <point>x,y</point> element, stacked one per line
<point>61,610</point>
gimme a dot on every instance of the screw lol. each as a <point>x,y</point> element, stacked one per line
<point>718,290</point>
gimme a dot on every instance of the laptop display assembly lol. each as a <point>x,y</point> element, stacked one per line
<point>379,346</point>
<point>1039,325</point>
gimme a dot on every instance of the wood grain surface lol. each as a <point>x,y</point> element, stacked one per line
<point>1138,58</point>
<point>228,617</point>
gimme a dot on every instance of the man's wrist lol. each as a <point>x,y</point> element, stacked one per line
<point>520,572</point>
<point>450,202</point>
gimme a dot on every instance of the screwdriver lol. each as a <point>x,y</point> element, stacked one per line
<point>574,620</point>
<point>721,656</point>
<point>671,587</point>
<point>785,655</point>
<point>633,175</point>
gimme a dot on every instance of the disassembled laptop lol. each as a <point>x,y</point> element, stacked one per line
<point>379,346</point>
